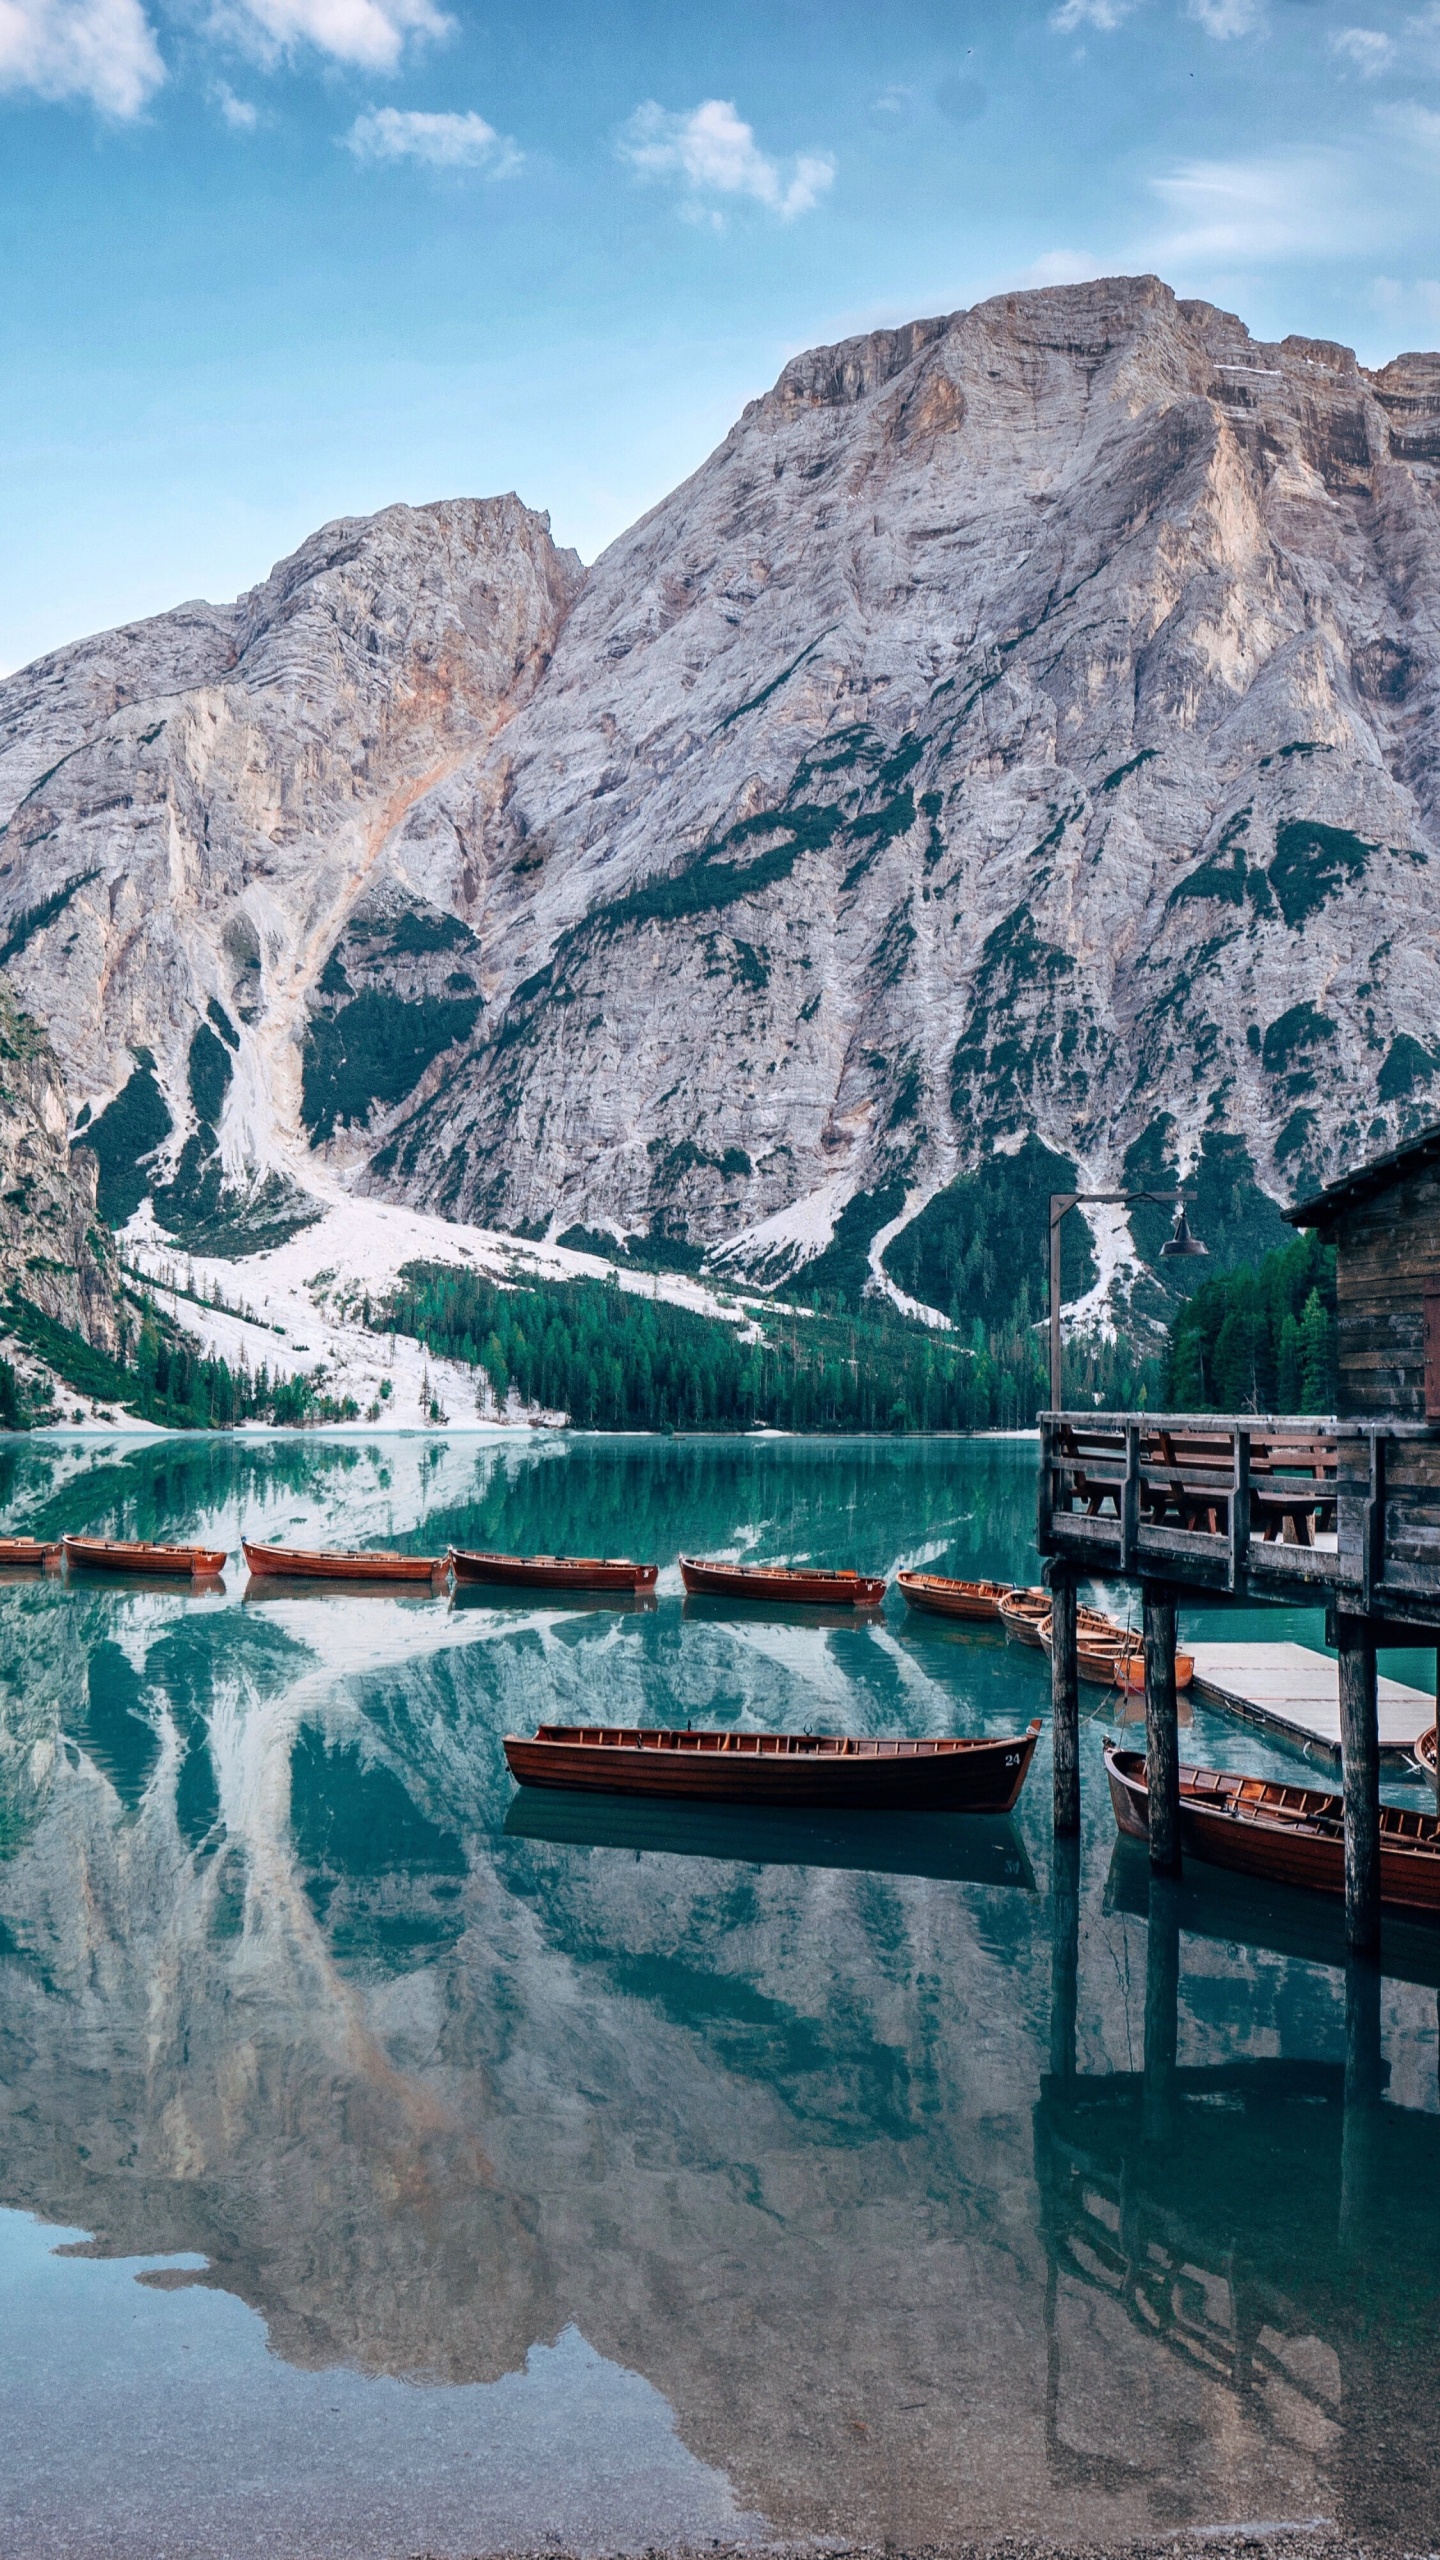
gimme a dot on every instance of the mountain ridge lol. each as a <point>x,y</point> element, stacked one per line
<point>1016,732</point>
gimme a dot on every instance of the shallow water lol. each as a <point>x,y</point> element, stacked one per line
<point>391,2162</point>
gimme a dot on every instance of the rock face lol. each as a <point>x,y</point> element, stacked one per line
<point>54,1250</point>
<point>1022,724</point>
<point>200,809</point>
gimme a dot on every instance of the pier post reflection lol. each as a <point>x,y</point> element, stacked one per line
<point>1064,1954</point>
<point>1364,2084</point>
<point>1162,2006</point>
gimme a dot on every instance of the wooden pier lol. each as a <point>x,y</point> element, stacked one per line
<point>1341,1512</point>
<point>1294,1691</point>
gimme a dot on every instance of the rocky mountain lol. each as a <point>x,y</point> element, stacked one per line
<point>1013,746</point>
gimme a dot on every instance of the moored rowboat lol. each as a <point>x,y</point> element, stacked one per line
<point>1130,1673</point>
<point>36,1551</point>
<point>554,1573</point>
<point>781,1582</point>
<point>1021,1613</point>
<point>799,1769</point>
<point>1290,1835</point>
<point>320,1564</point>
<point>950,1599</point>
<point>139,1555</point>
<point>1425,1750</point>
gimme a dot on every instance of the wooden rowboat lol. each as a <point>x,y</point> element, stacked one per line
<point>1425,1751</point>
<point>1290,1835</point>
<point>1021,1613</point>
<point>358,1564</point>
<point>1131,1670</point>
<point>30,1551</point>
<point>781,1582</point>
<point>797,1769</point>
<point>950,1599</point>
<point>554,1573</point>
<point>139,1555</point>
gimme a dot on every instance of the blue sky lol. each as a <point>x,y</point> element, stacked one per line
<point>263,262</point>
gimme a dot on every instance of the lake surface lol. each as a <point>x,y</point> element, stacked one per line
<point>391,2163</point>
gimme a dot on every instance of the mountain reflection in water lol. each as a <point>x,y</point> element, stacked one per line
<point>863,2152</point>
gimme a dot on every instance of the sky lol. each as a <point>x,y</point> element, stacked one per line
<point>267,262</point>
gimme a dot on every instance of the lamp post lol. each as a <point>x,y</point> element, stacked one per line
<point>1181,1245</point>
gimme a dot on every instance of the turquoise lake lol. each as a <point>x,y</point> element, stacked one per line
<point>389,2163</point>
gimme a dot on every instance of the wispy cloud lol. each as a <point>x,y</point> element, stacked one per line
<point>712,152</point>
<point>103,51</point>
<point>439,141</point>
<point>1240,210</point>
<point>370,33</point>
<point>1226,19</point>
<point>238,113</point>
<point>1104,15</point>
<point>1364,48</point>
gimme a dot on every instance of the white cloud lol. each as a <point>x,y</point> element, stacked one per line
<point>1293,204</point>
<point>1105,15</point>
<point>103,50</point>
<point>371,33</point>
<point>440,141</point>
<point>1365,47</point>
<point>1063,266</point>
<point>713,152</point>
<point>1224,19</point>
<point>238,113</point>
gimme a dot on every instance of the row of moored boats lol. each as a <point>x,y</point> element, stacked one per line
<point>1261,1827</point>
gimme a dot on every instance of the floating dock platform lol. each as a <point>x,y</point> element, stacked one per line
<point>1294,1691</point>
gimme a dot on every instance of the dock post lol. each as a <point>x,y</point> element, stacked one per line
<point>1064,1955</point>
<point>1064,1703</point>
<point>1360,1757</point>
<point>1162,1727</point>
<point>1162,2007</point>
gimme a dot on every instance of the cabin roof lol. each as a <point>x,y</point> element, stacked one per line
<point>1366,1180</point>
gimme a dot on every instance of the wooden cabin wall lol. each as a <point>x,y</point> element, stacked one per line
<point>1389,1252</point>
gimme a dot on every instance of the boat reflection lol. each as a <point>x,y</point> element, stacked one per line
<point>260,1587</point>
<point>707,1610</point>
<point>526,1601</point>
<point>958,1848</point>
<point>1282,1920</point>
<point>173,1586</point>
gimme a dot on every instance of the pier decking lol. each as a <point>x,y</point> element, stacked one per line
<point>1296,1691</point>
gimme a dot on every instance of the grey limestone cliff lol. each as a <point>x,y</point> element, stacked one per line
<point>1022,725</point>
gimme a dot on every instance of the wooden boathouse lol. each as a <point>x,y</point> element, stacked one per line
<point>1342,1511</point>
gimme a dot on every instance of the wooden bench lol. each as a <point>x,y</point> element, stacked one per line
<point>1293,1490</point>
<point>1079,1454</point>
<point>1187,1479</point>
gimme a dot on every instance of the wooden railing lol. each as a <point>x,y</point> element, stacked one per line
<point>1323,1508</point>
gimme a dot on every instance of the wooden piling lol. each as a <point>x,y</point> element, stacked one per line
<point>1162,1726</point>
<point>1360,1762</point>
<point>1064,1704</point>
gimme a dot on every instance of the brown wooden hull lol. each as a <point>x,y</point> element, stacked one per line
<point>1288,1835</point>
<point>29,1551</point>
<point>135,1555</point>
<point>781,1582</point>
<point>801,1770</point>
<point>949,1599</point>
<point>554,1573</point>
<point>1425,1751</point>
<point>354,1565</point>
<point>1023,1613</point>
